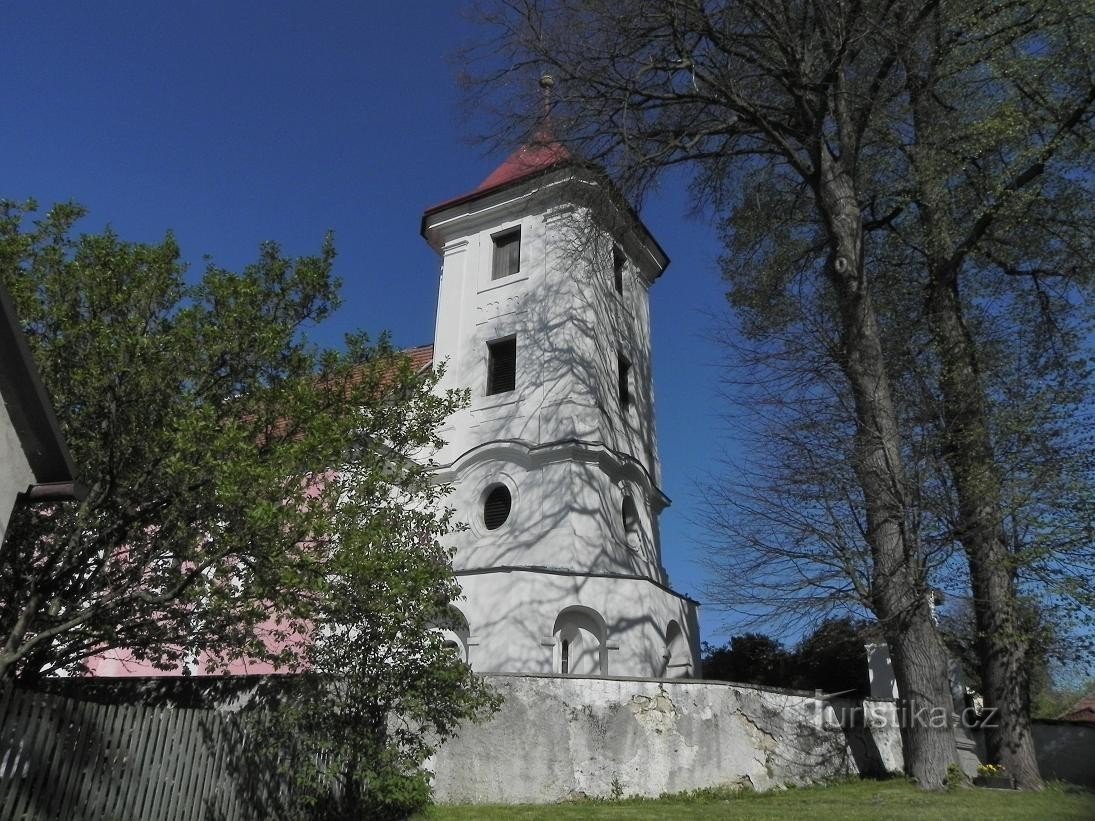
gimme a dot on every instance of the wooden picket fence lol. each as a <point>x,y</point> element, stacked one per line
<point>66,759</point>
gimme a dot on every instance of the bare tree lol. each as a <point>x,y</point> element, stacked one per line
<point>1017,98</point>
<point>891,170</point>
<point>785,92</point>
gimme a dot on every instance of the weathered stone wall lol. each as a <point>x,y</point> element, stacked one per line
<point>557,737</point>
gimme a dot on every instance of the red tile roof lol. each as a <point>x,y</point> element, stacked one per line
<point>1082,710</point>
<point>542,154</point>
<point>421,357</point>
<point>536,157</point>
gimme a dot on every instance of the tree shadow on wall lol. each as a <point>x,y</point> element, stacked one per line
<point>572,327</point>
<point>260,755</point>
<point>806,738</point>
<point>47,743</point>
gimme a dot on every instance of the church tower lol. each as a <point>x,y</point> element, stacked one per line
<point>543,312</point>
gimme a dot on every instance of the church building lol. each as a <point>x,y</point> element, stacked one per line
<point>544,314</point>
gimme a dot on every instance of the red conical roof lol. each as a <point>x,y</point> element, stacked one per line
<point>539,155</point>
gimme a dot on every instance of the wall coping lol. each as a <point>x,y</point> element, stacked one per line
<point>196,689</point>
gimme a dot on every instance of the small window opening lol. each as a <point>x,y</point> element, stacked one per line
<point>496,508</point>
<point>564,664</point>
<point>501,365</point>
<point>618,260</point>
<point>507,254</point>
<point>624,368</point>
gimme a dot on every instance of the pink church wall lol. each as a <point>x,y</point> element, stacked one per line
<point>120,663</point>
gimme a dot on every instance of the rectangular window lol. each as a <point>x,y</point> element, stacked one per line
<point>625,380</point>
<point>502,365</point>
<point>507,253</point>
<point>618,260</point>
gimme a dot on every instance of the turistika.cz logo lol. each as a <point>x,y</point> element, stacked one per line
<point>900,713</point>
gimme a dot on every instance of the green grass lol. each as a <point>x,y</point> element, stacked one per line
<point>874,800</point>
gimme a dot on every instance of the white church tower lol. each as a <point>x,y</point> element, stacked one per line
<point>544,313</point>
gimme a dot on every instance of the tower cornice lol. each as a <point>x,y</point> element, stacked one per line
<point>615,462</point>
<point>595,191</point>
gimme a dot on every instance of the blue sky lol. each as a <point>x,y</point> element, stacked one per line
<point>232,123</point>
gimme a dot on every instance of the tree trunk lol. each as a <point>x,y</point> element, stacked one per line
<point>968,452</point>
<point>926,707</point>
<point>899,584</point>
<point>1001,638</point>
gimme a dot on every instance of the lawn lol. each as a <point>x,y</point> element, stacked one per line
<point>874,800</point>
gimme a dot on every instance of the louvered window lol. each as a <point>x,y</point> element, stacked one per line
<point>625,381</point>
<point>496,508</point>
<point>507,253</point>
<point>631,521</point>
<point>502,365</point>
<point>618,260</point>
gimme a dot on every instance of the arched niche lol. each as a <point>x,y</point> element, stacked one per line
<point>580,635</point>
<point>455,634</point>
<point>678,656</point>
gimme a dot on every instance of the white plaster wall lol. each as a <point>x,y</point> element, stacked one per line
<point>569,323</point>
<point>566,511</point>
<point>557,737</point>
<point>15,471</point>
<point>561,441</point>
<point>511,616</point>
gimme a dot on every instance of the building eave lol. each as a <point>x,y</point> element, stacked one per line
<point>534,180</point>
<point>28,404</point>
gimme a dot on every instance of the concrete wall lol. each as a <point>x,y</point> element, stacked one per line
<point>1066,751</point>
<point>558,737</point>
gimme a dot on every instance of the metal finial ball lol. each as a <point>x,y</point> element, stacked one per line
<point>547,81</point>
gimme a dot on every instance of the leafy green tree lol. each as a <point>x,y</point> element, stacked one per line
<point>1056,701</point>
<point>376,694</point>
<point>749,658</point>
<point>833,657</point>
<point>987,245</point>
<point>193,416</point>
<point>1057,661</point>
<point>251,496</point>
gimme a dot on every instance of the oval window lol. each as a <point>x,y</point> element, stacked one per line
<point>496,507</point>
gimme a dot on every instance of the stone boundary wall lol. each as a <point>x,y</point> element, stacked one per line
<point>1066,751</point>
<point>561,737</point>
<point>557,737</point>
